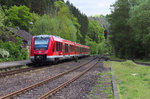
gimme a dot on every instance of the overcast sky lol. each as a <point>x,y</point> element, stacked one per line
<point>93,7</point>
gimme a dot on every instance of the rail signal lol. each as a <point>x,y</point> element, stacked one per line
<point>105,34</point>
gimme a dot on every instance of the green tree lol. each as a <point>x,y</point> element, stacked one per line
<point>102,20</point>
<point>82,20</point>
<point>95,38</point>
<point>95,32</point>
<point>19,16</point>
<point>64,24</point>
<point>2,17</point>
<point>120,30</point>
<point>140,23</point>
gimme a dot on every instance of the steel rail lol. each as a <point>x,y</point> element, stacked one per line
<point>20,70</point>
<point>42,82</point>
<point>66,83</point>
<point>12,72</point>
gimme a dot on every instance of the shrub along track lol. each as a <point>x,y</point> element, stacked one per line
<point>36,88</point>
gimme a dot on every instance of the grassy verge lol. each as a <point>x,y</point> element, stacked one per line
<point>115,58</point>
<point>143,61</point>
<point>133,81</point>
<point>147,61</point>
<point>103,88</point>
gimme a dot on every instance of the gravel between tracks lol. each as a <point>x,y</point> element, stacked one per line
<point>41,90</point>
<point>15,82</point>
<point>80,88</point>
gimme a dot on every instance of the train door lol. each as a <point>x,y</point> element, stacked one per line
<point>69,50</point>
<point>66,49</point>
<point>57,48</point>
<point>60,48</point>
<point>53,51</point>
<point>63,49</point>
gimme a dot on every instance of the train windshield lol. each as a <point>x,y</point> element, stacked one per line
<point>41,43</point>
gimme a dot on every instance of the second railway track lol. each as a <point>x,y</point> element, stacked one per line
<point>10,72</point>
<point>31,90</point>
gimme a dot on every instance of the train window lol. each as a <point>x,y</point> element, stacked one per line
<point>80,49</point>
<point>77,49</point>
<point>41,43</point>
<point>66,48</point>
<point>57,46</point>
<point>60,46</point>
<point>72,48</point>
<point>53,46</point>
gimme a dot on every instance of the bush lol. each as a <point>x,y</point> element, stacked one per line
<point>13,50</point>
<point>4,53</point>
<point>24,53</point>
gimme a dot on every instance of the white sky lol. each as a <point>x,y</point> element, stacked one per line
<point>93,7</point>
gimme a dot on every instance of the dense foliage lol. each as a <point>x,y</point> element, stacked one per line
<point>38,6</point>
<point>102,21</point>
<point>130,29</point>
<point>2,17</point>
<point>64,24</point>
<point>18,16</point>
<point>82,20</point>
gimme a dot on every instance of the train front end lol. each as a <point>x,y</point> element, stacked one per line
<point>40,48</point>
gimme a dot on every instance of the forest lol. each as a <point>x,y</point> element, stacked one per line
<point>130,29</point>
<point>51,17</point>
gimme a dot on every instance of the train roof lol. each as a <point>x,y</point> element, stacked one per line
<point>59,38</point>
<point>43,36</point>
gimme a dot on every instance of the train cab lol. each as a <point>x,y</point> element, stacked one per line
<point>40,48</point>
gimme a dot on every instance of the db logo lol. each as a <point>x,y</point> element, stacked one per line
<point>40,52</point>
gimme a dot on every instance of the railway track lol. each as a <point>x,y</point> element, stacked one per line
<point>20,70</point>
<point>12,72</point>
<point>19,93</point>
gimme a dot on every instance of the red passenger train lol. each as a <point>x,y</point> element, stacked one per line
<point>49,48</point>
